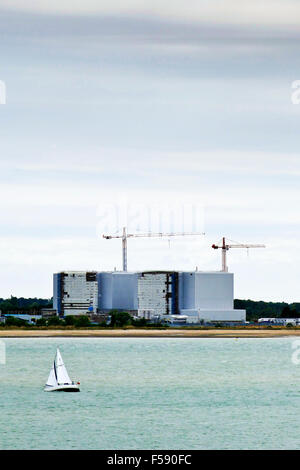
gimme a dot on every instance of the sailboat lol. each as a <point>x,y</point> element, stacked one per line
<point>59,380</point>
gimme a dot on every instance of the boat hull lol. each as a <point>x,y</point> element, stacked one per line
<point>62,388</point>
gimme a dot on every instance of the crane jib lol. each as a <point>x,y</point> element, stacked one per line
<point>126,235</point>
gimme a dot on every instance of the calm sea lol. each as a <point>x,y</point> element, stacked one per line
<point>152,394</point>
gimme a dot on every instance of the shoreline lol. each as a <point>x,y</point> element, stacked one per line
<point>139,333</point>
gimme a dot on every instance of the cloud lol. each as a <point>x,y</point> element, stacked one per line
<point>208,22</point>
<point>229,11</point>
<point>153,102</point>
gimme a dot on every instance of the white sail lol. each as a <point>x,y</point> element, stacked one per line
<point>52,382</point>
<point>61,371</point>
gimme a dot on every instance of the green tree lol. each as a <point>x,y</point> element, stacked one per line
<point>35,306</point>
<point>286,312</point>
<point>70,320</point>
<point>14,301</point>
<point>82,320</point>
<point>120,318</point>
<point>22,305</point>
<point>140,322</point>
<point>55,321</point>
<point>14,321</point>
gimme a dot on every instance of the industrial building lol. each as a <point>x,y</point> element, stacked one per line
<point>157,294</point>
<point>197,296</point>
<point>181,297</point>
<point>75,293</point>
<point>117,291</point>
<point>208,296</point>
<point>279,321</point>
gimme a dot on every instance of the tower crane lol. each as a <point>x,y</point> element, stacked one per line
<point>225,247</point>
<point>126,235</point>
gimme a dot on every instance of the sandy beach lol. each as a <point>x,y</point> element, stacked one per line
<point>140,333</point>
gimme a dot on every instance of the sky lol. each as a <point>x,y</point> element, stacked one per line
<point>136,113</point>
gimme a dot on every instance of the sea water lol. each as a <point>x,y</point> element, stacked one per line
<point>145,393</point>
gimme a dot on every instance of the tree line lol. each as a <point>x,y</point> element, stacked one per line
<point>255,309</point>
<point>24,305</point>
<point>117,319</point>
<point>261,309</point>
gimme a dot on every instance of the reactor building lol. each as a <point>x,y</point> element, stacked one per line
<point>196,296</point>
<point>75,293</point>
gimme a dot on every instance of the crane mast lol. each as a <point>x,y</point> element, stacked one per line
<point>225,247</point>
<point>126,235</point>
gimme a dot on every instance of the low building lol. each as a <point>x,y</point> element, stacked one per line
<point>279,321</point>
<point>178,320</point>
<point>31,319</point>
<point>99,318</point>
<point>48,312</point>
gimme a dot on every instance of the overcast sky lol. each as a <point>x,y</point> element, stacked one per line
<point>155,103</point>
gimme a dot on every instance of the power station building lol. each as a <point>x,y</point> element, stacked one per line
<point>197,296</point>
<point>117,291</point>
<point>208,296</point>
<point>75,293</point>
<point>157,294</point>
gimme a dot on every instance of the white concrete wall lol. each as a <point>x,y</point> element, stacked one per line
<point>117,290</point>
<point>206,290</point>
<point>55,291</point>
<point>208,296</point>
<point>214,291</point>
